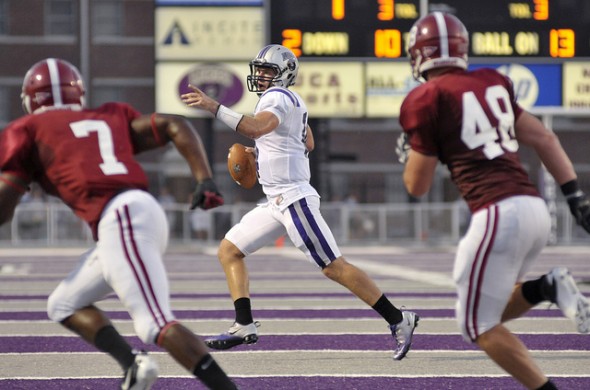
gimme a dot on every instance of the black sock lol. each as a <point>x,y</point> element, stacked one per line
<point>243,311</point>
<point>110,341</point>
<point>209,372</point>
<point>538,290</point>
<point>548,386</point>
<point>384,307</point>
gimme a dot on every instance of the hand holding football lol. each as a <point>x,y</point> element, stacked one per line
<point>242,165</point>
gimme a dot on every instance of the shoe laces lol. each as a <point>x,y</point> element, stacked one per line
<point>396,332</point>
<point>235,326</point>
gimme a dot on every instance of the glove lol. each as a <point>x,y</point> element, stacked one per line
<point>402,148</point>
<point>580,208</point>
<point>206,195</point>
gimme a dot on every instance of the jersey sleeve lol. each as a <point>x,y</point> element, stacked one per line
<point>130,114</point>
<point>418,119</point>
<point>516,108</point>
<point>16,146</point>
<point>278,101</point>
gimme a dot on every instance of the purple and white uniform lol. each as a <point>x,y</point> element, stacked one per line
<point>293,205</point>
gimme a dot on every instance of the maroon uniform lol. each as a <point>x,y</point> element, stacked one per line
<point>83,157</point>
<point>466,119</point>
<point>471,122</point>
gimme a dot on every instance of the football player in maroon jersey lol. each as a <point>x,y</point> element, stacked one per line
<point>470,121</point>
<point>85,157</point>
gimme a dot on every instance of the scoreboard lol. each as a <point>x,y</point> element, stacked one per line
<point>342,28</point>
<point>533,28</point>
<point>373,29</point>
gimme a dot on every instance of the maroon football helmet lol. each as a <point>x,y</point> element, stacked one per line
<point>437,40</point>
<point>52,83</point>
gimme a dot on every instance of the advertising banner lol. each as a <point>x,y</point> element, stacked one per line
<point>208,33</point>
<point>225,82</point>
<point>332,89</point>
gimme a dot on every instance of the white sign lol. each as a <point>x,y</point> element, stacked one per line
<point>387,83</point>
<point>576,85</point>
<point>225,82</point>
<point>208,33</point>
<point>332,89</point>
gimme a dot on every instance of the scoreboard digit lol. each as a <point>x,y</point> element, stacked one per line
<point>342,28</point>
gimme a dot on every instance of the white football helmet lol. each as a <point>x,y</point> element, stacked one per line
<point>278,58</point>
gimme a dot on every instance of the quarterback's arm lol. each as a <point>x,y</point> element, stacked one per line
<point>151,131</point>
<point>256,126</point>
<point>419,172</point>
<point>531,131</point>
<point>12,189</point>
<point>250,126</point>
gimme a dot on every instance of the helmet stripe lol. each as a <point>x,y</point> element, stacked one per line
<point>263,51</point>
<point>55,81</point>
<point>442,33</point>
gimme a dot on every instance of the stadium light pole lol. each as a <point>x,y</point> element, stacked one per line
<point>85,46</point>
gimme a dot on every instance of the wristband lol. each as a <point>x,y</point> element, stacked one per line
<point>571,189</point>
<point>229,117</point>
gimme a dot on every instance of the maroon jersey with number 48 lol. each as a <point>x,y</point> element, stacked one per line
<point>466,119</point>
<point>83,157</point>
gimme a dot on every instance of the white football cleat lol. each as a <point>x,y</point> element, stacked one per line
<point>569,299</point>
<point>142,374</point>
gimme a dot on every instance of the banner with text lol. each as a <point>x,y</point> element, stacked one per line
<point>208,33</point>
<point>576,85</point>
<point>225,82</point>
<point>332,89</point>
<point>387,84</point>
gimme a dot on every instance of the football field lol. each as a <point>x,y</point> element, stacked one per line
<point>314,334</point>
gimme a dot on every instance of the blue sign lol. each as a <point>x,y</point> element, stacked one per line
<point>535,85</point>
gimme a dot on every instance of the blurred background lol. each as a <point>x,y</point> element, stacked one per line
<point>353,75</point>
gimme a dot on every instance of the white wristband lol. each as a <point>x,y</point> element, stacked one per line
<point>229,117</point>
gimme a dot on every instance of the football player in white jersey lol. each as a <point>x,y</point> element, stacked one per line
<point>283,140</point>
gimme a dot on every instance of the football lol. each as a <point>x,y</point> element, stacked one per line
<point>242,165</point>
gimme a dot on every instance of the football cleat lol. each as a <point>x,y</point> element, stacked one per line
<point>565,293</point>
<point>402,334</point>
<point>142,373</point>
<point>238,334</point>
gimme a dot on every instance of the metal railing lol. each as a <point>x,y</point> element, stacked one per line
<point>52,224</point>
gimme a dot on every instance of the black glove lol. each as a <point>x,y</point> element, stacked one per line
<point>580,208</point>
<point>206,195</point>
<point>578,203</point>
<point>402,148</point>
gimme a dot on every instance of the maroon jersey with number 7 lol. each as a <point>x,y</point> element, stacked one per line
<point>82,157</point>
